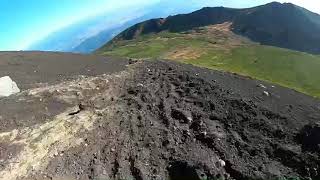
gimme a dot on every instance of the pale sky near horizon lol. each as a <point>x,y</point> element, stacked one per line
<point>27,21</point>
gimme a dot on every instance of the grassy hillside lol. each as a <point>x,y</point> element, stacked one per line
<point>274,24</point>
<point>217,48</point>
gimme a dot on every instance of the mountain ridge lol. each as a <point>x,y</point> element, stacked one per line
<point>283,25</point>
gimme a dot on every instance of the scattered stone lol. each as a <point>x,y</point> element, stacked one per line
<point>221,163</point>
<point>189,118</point>
<point>204,133</point>
<point>8,87</point>
<point>262,86</point>
<point>187,132</point>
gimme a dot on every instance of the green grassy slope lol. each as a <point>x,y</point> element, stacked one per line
<point>296,70</point>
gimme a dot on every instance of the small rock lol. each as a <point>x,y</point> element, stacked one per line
<point>187,132</point>
<point>189,118</point>
<point>204,133</point>
<point>266,93</point>
<point>221,163</point>
<point>262,86</point>
<point>113,150</point>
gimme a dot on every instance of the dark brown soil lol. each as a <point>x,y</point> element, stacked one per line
<point>174,121</point>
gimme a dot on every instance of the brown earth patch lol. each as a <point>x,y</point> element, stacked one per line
<point>184,54</point>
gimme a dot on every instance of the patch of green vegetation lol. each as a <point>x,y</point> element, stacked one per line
<point>296,70</point>
<point>292,178</point>
<point>150,46</point>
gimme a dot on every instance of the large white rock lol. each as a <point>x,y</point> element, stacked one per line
<point>8,87</point>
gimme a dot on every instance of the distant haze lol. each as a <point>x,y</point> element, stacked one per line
<point>63,25</point>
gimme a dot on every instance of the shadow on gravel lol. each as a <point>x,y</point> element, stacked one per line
<point>309,138</point>
<point>179,170</point>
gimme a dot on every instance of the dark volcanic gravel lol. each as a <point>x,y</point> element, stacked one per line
<point>31,68</point>
<point>174,121</point>
<point>36,69</point>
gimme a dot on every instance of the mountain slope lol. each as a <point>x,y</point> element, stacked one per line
<point>282,25</point>
<point>223,47</point>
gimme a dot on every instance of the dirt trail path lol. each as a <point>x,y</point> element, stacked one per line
<point>162,120</point>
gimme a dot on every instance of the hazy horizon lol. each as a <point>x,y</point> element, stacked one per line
<point>31,21</point>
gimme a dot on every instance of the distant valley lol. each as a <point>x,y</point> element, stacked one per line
<point>90,34</point>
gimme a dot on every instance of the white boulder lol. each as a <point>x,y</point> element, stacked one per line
<point>8,87</point>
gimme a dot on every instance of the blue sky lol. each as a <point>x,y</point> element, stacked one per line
<point>24,22</point>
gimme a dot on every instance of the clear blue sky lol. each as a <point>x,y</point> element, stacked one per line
<point>26,21</point>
